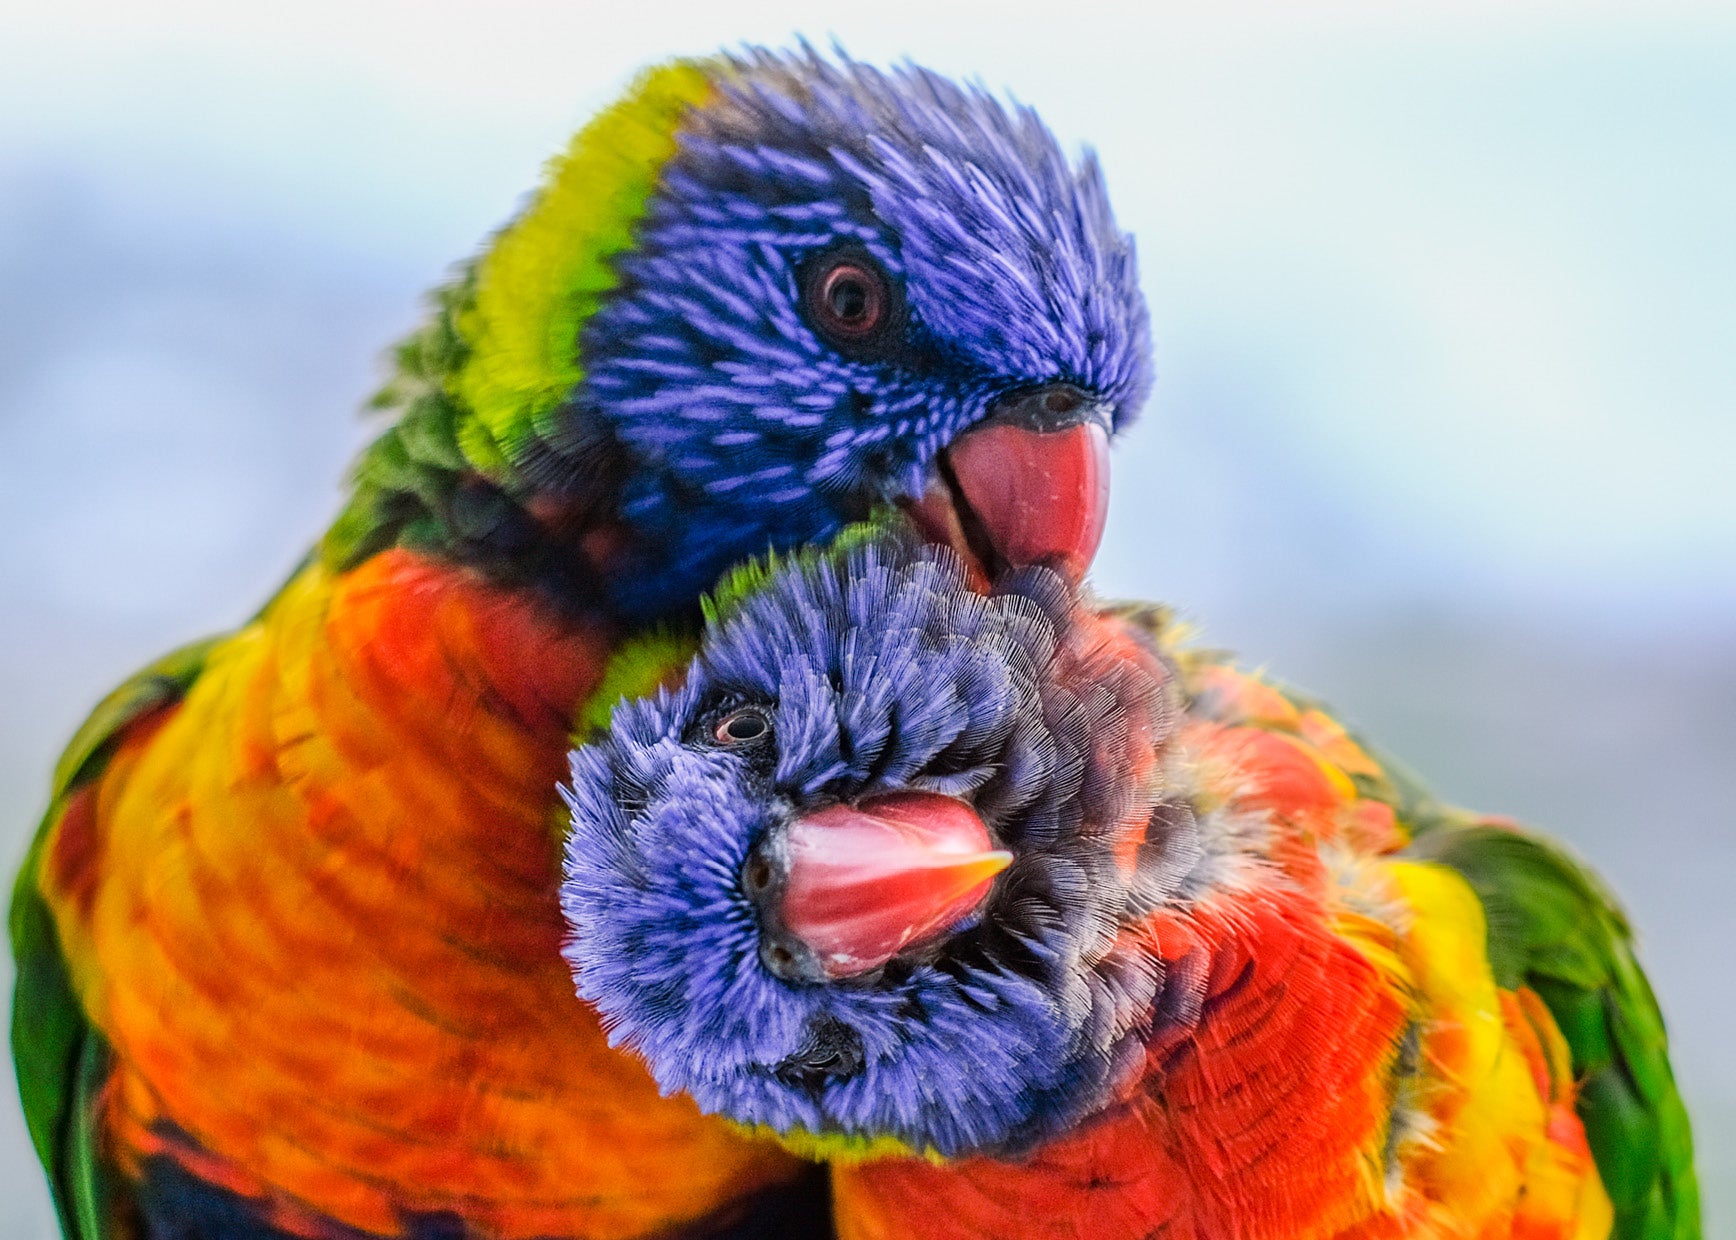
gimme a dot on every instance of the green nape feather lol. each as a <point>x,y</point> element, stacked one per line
<point>546,272</point>
<point>485,376</point>
<point>1555,928</point>
<point>60,1058</point>
<point>751,576</point>
<point>636,669</point>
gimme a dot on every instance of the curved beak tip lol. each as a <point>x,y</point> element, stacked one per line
<point>868,882</point>
<point>1016,495</point>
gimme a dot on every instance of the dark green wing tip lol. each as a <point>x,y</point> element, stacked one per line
<point>61,1060</point>
<point>62,1063</point>
<point>1555,927</point>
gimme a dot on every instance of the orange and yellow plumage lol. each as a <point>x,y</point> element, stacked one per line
<point>310,908</point>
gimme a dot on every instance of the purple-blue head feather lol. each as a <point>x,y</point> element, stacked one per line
<point>746,427</point>
<point>879,672</point>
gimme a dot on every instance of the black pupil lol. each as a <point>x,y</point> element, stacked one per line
<point>849,298</point>
<point>746,726</point>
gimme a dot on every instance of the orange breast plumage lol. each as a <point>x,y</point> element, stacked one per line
<point>355,882</point>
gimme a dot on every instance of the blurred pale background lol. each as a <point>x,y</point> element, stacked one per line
<point>1445,312</point>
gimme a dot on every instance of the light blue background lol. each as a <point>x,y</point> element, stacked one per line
<point>1445,310</point>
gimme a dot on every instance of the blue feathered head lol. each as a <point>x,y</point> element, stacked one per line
<point>860,876</point>
<point>759,298</point>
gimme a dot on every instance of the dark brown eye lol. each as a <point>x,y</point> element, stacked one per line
<point>741,726</point>
<point>849,298</point>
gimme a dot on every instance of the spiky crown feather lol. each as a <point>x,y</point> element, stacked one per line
<point>881,670</point>
<point>632,346</point>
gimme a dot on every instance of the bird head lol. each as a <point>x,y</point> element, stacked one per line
<point>861,878</point>
<point>762,296</point>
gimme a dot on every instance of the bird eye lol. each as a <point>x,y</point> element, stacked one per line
<point>849,298</point>
<point>742,726</point>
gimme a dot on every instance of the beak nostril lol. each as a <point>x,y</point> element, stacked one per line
<point>759,875</point>
<point>1050,407</point>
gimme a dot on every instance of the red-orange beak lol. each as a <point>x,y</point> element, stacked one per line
<point>1030,485</point>
<point>866,882</point>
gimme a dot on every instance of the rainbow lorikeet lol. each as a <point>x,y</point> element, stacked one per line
<point>1040,923</point>
<point>288,939</point>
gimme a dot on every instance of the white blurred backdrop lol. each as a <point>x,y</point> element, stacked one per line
<point>1445,307</point>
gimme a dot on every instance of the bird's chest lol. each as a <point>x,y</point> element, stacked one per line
<point>1345,1079</point>
<point>324,938</point>
<point>1263,1120</point>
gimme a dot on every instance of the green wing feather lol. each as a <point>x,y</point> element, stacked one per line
<point>1555,928</point>
<point>60,1057</point>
